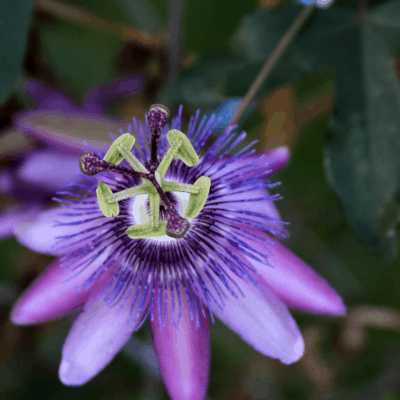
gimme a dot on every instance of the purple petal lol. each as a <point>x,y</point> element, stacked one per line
<point>263,321</point>
<point>67,132</point>
<point>273,161</point>
<point>48,98</point>
<point>96,100</point>
<point>41,233</point>
<point>183,355</point>
<point>295,283</point>
<point>7,181</point>
<point>96,336</point>
<point>55,293</point>
<point>48,169</point>
<point>12,216</point>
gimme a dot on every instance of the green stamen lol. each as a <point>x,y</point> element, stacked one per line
<point>197,201</point>
<point>114,155</point>
<point>147,231</point>
<point>154,186</point>
<point>131,159</point>
<point>155,201</point>
<point>109,209</point>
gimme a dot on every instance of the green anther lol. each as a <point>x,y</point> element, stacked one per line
<point>131,159</point>
<point>145,188</point>
<point>154,200</point>
<point>197,201</point>
<point>186,151</point>
<point>114,155</point>
<point>147,231</point>
<point>108,209</point>
<point>180,187</point>
<point>169,156</point>
<point>179,146</point>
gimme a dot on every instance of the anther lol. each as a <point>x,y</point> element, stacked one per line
<point>180,146</point>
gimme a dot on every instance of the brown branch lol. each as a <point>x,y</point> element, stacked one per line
<point>81,16</point>
<point>272,61</point>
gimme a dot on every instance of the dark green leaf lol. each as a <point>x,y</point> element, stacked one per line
<point>15,18</point>
<point>362,153</point>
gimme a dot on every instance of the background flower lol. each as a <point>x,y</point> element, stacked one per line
<point>60,126</point>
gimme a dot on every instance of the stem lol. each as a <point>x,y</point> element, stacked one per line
<point>272,61</point>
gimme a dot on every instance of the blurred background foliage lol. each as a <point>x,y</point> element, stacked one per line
<point>333,98</point>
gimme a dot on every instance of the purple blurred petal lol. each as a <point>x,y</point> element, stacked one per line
<point>68,132</point>
<point>48,98</point>
<point>6,181</point>
<point>48,169</point>
<point>40,232</point>
<point>263,321</point>
<point>13,215</point>
<point>55,293</point>
<point>183,355</point>
<point>96,336</point>
<point>97,99</point>
<point>296,283</point>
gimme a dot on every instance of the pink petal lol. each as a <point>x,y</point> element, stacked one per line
<point>183,355</point>
<point>263,321</point>
<point>54,293</point>
<point>40,232</point>
<point>96,336</point>
<point>295,283</point>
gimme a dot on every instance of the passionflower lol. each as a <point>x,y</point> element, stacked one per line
<point>176,230</point>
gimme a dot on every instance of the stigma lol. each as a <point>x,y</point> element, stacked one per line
<point>153,183</point>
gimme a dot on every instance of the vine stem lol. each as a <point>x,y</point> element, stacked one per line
<point>272,61</point>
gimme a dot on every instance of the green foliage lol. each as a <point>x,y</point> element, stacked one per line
<point>361,158</point>
<point>15,19</point>
<point>80,56</point>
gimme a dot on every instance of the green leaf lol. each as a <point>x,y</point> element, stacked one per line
<point>15,18</point>
<point>362,153</point>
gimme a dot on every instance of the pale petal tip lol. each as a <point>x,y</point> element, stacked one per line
<point>283,152</point>
<point>296,353</point>
<point>19,316</point>
<point>71,376</point>
<point>339,309</point>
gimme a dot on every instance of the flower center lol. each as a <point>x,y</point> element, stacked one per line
<point>164,217</point>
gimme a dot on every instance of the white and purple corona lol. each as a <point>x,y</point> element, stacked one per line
<point>177,229</point>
